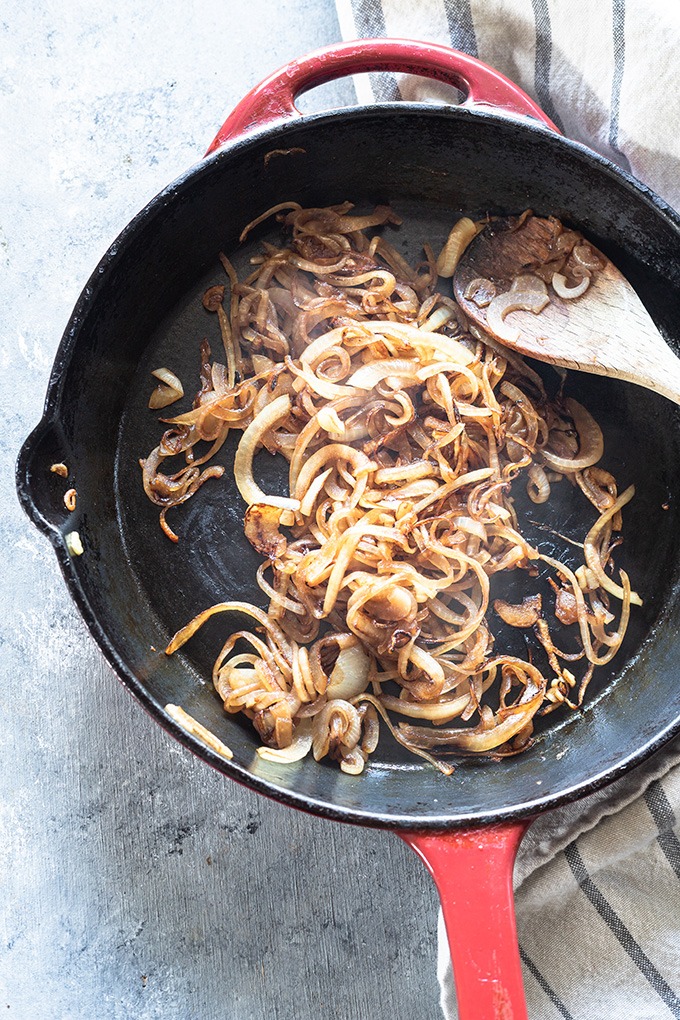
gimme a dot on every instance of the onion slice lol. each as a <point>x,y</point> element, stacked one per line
<point>527,294</point>
<point>299,747</point>
<point>168,391</point>
<point>456,243</point>
<point>591,551</point>
<point>524,615</point>
<point>590,439</point>
<point>269,416</point>
<point>559,283</point>
<point>349,677</point>
<point>368,376</point>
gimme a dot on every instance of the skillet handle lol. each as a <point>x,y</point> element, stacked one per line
<point>40,491</point>
<point>274,98</point>
<point>472,870</point>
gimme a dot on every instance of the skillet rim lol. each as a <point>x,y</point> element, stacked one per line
<point>49,422</point>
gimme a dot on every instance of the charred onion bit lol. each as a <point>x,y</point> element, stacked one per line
<point>524,615</point>
<point>406,432</point>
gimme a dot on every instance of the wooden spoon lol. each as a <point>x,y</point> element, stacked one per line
<point>606,331</point>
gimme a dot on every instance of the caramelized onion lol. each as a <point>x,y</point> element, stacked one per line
<point>406,436</point>
<point>590,440</point>
<point>456,243</point>
<point>563,290</point>
<point>592,553</point>
<point>168,391</point>
<point>529,299</point>
<point>524,615</point>
<point>251,492</point>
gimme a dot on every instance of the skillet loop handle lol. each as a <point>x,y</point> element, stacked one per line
<point>472,870</point>
<point>40,490</point>
<point>274,98</point>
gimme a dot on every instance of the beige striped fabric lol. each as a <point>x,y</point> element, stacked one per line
<point>597,882</point>
<point>606,71</point>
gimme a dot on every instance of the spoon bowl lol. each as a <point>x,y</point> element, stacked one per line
<point>606,330</point>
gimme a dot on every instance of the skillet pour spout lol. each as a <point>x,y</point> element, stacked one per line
<point>495,153</point>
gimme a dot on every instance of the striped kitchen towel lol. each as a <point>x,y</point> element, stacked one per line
<point>605,71</point>
<point>598,882</point>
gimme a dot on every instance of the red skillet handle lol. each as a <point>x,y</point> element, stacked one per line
<point>473,873</point>
<point>274,98</point>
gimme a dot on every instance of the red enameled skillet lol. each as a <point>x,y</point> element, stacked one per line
<point>496,152</point>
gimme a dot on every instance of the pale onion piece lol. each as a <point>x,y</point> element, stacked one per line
<point>471,527</point>
<point>329,420</point>
<point>196,729</point>
<point>268,417</point>
<point>312,353</point>
<point>438,318</point>
<point>325,389</point>
<point>164,375</point>
<point>436,368</point>
<point>299,747</point>
<point>73,543</point>
<point>590,441</point>
<point>439,711</point>
<point>265,215</point>
<point>591,551</point>
<point>479,739</point>
<point>169,390</point>
<point>538,486</point>
<point>404,472</point>
<point>446,346</point>
<point>261,363</point>
<point>275,597</point>
<point>559,282</point>
<point>349,676</point>
<point>369,375</point>
<point>586,578</point>
<point>499,511</point>
<point>315,487</point>
<point>456,243</point>
<point>353,762</point>
<point>428,664</point>
<point>412,490</point>
<point>513,301</point>
<point>350,435</point>
<point>187,632</point>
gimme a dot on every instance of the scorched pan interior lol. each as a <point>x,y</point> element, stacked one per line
<point>142,309</point>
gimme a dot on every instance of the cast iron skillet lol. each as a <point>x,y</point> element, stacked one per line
<point>142,309</point>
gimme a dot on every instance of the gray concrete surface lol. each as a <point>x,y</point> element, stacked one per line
<point>137,883</point>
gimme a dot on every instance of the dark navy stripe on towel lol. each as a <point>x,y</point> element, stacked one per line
<point>618,28</point>
<point>369,21</point>
<point>461,26</point>
<point>552,995</point>
<point>664,816</point>
<point>624,937</point>
<point>543,60</point>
